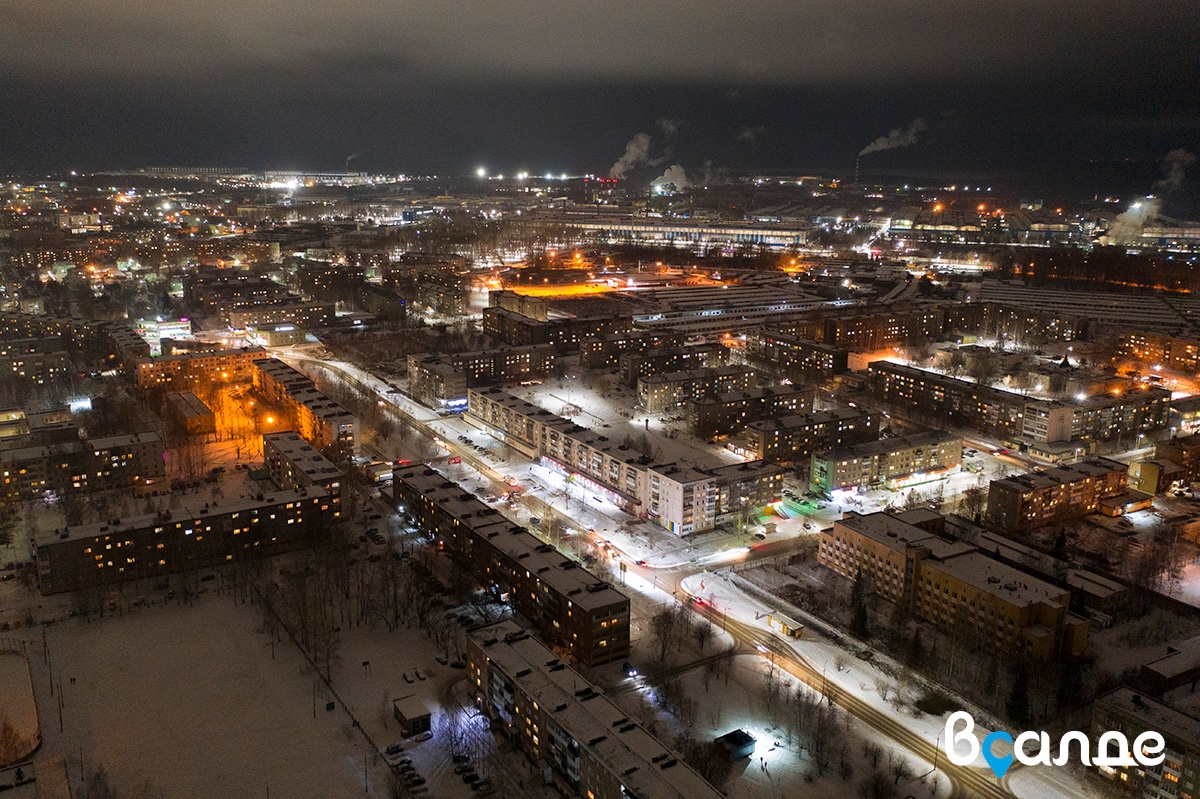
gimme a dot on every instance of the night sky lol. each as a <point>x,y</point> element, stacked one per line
<point>1014,88</point>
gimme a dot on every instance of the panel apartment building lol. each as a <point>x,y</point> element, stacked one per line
<point>295,465</point>
<point>1127,711</point>
<point>585,742</point>
<point>928,395</point>
<point>678,497</point>
<point>665,390</point>
<point>797,359</point>
<point>187,372</point>
<point>569,605</point>
<point>441,381</point>
<point>891,462</point>
<point>904,559</point>
<point>76,467</point>
<point>725,414</point>
<point>565,334</point>
<point>793,439</point>
<point>157,544</point>
<point>636,365</point>
<point>605,352</point>
<point>313,416</point>
<point>1034,499</point>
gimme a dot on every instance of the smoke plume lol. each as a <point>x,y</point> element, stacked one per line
<point>674,176</point>
<point>751,135</point>
<point>668,126</point>
<point>1127,227</point>
<point>897,138</point>
<point>636,155</point>
<point>1174,164</point>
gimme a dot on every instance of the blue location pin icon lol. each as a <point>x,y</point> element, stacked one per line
<point>999,764</point>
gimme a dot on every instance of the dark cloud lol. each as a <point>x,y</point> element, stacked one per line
<point>444,84</point>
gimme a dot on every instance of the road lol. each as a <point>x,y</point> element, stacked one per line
<point>967,782</point>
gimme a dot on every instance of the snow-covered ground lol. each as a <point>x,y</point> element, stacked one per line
<point>841,670</point>
<point>16,699</point>
<point>181,699</point>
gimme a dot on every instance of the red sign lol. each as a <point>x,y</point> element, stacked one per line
<point>454,459</point>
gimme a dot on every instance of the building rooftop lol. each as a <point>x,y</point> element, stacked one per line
<point>567,577</point>
<point>885,446</point>
<point>803,420</point>
<point>697,374</point>
<point>172,516</point>
<point>1001,580</point>
<point>1156,716</point>
<point>1061,475</point>
<point>1183,657</point>
<point>189,405</point>
<point>646,768</point>
<point>899,535</point>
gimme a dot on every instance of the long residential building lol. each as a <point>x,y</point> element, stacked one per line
<point>106,343</point>
<point>76,467</point>
<point>564,724</point>
<point>679,497</point>
<point>891,462</point>
<point>931,396</point>
<point>317,419</point>
<point>665,390</point>
<point>793,439</point>
<point>905,559</point>
<point>190,371</point>
<point>565,334</point>
<point>38,361</point>
<point>177,540</point>
<point>1034,499</point>
<point>572,607</point>
<point>725,414</point>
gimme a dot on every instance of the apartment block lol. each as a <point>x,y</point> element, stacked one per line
<point>570,606</point>
<point>181,373</point>
<point>1131,713</point>
<point>1184,451</point>
<point>313,416</point>
<point>565,334</point>
<point>665,390</point>
<point>295,465</point>
<point>793,439</point>
<point>581,739</point>
<point>76,467</point>
<point>796,359</point>
<point>725,414</point>
<point>636,365</point>
<point>178,540</point>
<point>37,361</point>
<point>903,558</point>
<point>441,381</point>
<point>1031,500</point>
<point>1159,349</point>
<point>928,395</point>
<point>307,315</point>
<point>889,462</point>
<point>679,497</point>
<point>605,352</point>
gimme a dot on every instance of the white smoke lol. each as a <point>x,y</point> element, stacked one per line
<point>1174,164</point>
<point>751,135</point>
<point>897,137</point>
<point>1127,227</point>
<point>637,155</point>
<point>674,179</point>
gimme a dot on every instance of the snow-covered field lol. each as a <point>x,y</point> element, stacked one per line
<point>188,701</point>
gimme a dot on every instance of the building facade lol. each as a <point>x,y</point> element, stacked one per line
<point>1034,499</point>
<point>891,462</point>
